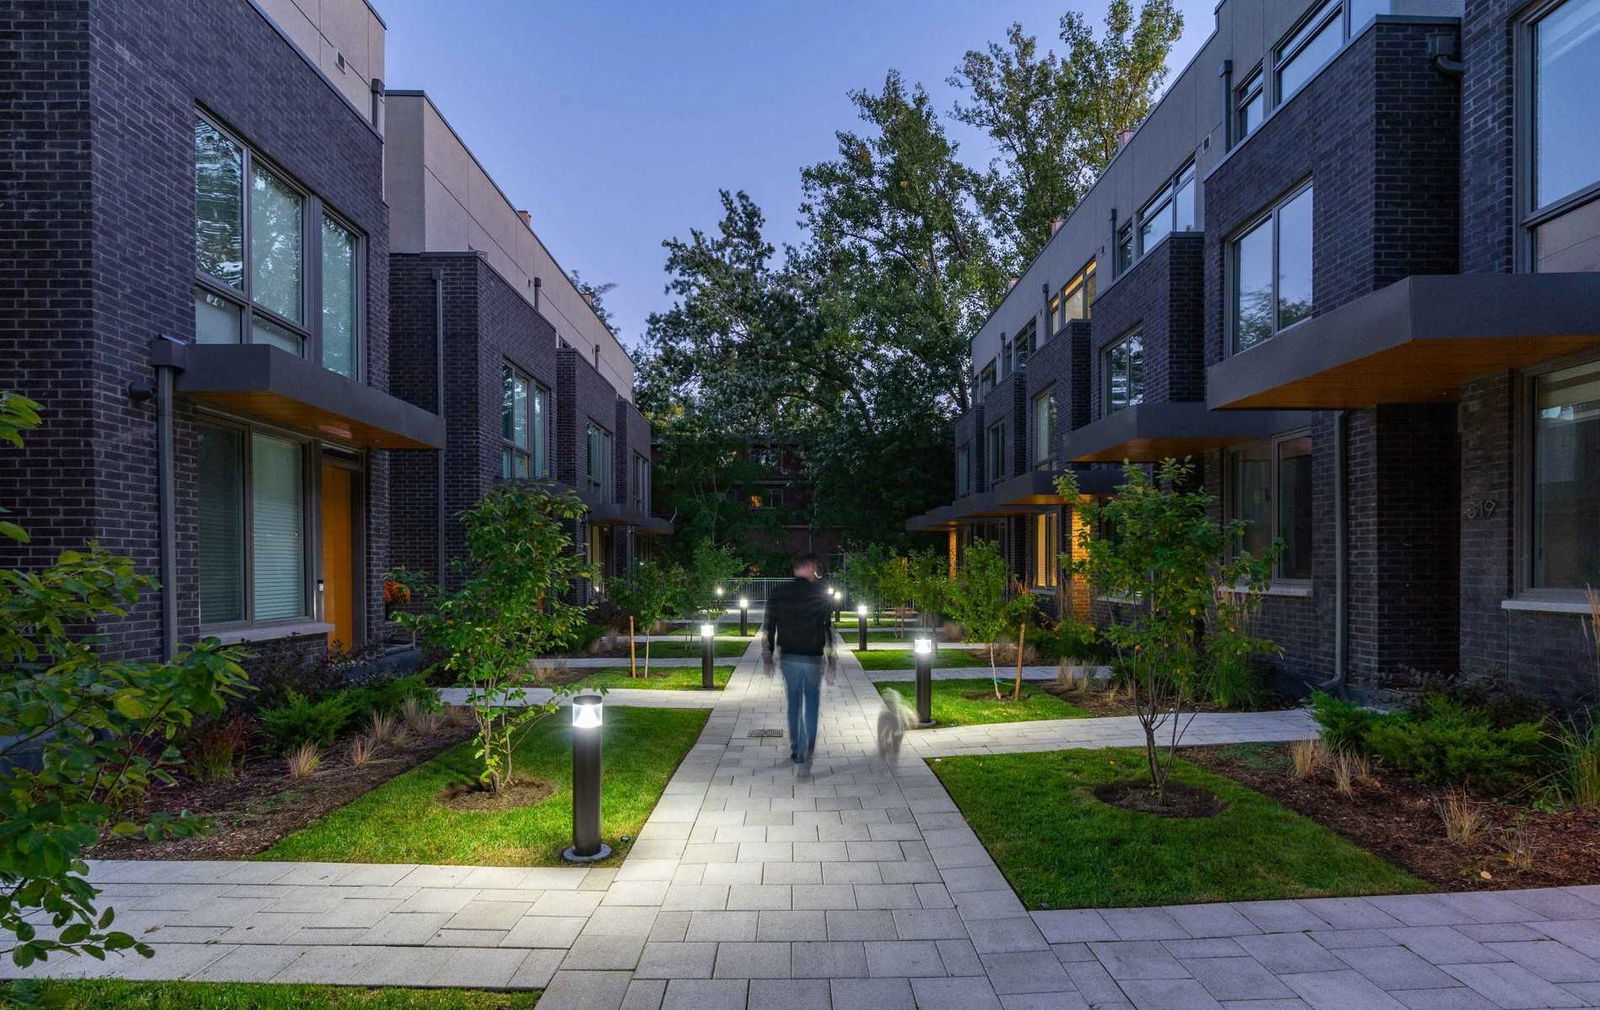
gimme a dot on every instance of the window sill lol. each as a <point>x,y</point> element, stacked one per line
<point>1548,604</point>
<point>267,632</point>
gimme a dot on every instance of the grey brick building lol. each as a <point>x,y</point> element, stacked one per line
<point>1350,265</point>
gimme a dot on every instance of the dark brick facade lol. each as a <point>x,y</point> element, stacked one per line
<point>1161,297</point>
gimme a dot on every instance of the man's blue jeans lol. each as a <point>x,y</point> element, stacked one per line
<point>802,682</point>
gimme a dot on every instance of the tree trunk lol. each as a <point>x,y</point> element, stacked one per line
<point>633,650</point>
<point>1022,641</point>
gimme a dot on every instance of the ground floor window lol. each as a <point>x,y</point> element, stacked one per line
<point>1047,549</point>
<point>1566,478</point>
<point>1268,486</point>
<point>251,527</point>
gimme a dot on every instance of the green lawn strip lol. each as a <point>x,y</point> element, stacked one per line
<point>902,659</point>
<point>111,994</point>
<point>402,821</point>
<point>953,707</point>
<point>661,678</point>
<point>1062,848</point>
<point>684,648</point>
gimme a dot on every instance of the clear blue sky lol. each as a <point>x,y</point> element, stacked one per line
<point>615,121</point>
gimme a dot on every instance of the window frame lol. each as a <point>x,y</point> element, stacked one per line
<point>987,378</point>
<point>1164,201</point>
<point>537,450</point>
<point>1083,282</point>
<point>310,524</point>
<point>995,439</point>
<point>1254,86</point>
<point>963,470</point>
<point>1046,561</point>
<point>1230,495</point>
<point>313,209</point>
<point>1299,38</point>
<point>641,482</point>
<point>1531,215</point>
<point>601,485</point>
<point>1231,266</point>
<point>1525,402</point>
<point>1108,355</point>
<point>1044,448</point>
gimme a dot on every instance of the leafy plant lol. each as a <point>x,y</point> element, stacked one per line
<point>929,584</point>
<point>1190,587</point>
<point>300,720</point>
<point>709,566</point>
<point>510,608</point>
<point>214,750</point>
<point>980,601</point>
<point>645,593</point>
<point>82,737</point>
<point>1345,724</point>
<point>1576,778</point>
<point>1447,743</point>
<point>304,760</point>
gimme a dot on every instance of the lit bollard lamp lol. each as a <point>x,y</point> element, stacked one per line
<point>586,725</point>
<point>708,645</point>
<point>861,627</point>
<point>923,649</point>
<point>838,600</point>
<point>744,616</point>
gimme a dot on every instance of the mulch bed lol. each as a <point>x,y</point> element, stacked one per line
<point>1099,702</point>
<point>264,804</point>
<point>521,793</point>
<point>1398,820</point>
<point>1177,799</point>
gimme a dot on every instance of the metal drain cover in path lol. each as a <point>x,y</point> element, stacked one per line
<point>763,734</point>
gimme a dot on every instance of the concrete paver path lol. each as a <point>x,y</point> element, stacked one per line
<point>855,883</point>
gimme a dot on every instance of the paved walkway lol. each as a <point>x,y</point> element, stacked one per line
<point>854,884</point>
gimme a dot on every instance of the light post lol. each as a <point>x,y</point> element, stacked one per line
<point>708,641</point>
<point>587,718</point>
<point>744,616</point>
<point>923,649</point>
<point>833,591</point>
<point>861,627</point>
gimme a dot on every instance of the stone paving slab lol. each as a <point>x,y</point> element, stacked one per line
<point>853,882</point>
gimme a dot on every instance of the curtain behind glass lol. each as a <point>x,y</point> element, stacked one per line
<point>278,535</point>
<point>220,525</point>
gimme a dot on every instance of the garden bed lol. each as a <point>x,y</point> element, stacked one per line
<point>971,702</point>
<point>905,659</point>
<point>681,647</point>
<point>1399,820</point>
<point>264,804</point>
<point>660,678</point>
<point>1101,702</point>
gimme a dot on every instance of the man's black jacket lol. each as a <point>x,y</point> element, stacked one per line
<point>799,616</point>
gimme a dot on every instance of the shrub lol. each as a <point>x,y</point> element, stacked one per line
<point>1345,725</point>
<point>389,696</point>
<point>304,760</point>
<point>214,749</point>
<point>1231,681</point>
<point>1575,781</point>
<point>300,720</point>
<point>1447,743</point>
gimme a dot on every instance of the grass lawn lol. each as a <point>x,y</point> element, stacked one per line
<point>1062,848</point>
<point>662,678</point>
<point>953,707</point>
<point>902,659</point>
<point>684,648</point>
<point>108,994</point>
<point>402,821</point>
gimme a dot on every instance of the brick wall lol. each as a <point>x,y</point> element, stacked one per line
<point>1162,297</point>
<point>1488,201</point>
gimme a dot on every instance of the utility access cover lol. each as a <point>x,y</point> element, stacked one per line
<point>763,734</point>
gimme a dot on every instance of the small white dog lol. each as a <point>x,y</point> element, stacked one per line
<point>896,716</point>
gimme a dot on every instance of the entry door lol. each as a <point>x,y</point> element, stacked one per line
<point>338,556</point>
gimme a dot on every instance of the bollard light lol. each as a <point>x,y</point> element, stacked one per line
<point>861,627</point>
<point>719,590</point>
<point>587,719</point>
<point>708,640</point>
<point>922,648</point>
<point>744,616</point>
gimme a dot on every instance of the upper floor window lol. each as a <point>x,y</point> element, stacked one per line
<point>641,482</point>
<point>1074,298</point>
<point>597,472</point>
<point>995,453</point>
<point>522,426</point>
<point>251,527</point>
<point>1250,105</point>
<point>1124,248</point>
<point>963,471</point>
<point>1170,210</point>
<point>1268,486</point>
<point>1300,56</point>
<point>1024,344</point>
<point>986,378</point>
<point>1271,276</point>
<point>1566,478</point>
<point>1044,427</point>
<point>1563,46</point>
<point>1124,371</point>
<point>259,240</point>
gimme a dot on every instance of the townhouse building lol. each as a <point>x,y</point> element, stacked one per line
<point>1350,266</point>
<point>196,239</point>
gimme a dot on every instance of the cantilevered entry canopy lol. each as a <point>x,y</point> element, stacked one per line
<point>1416,341</point>
<point>266,382</point>
<point>1025,493</point>
<point>1149,432</point>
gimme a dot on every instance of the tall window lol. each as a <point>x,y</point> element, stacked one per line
<point>1124,371</point>
<point>1074,298</point>
<point>1047,549</point>
<point>1269,488</point>
<point>258,238</point>
<point>1170,210</point>
<point>251,528</point>
<point>1566,478</point>
<point>963,471</point>
<point>1044,427</point>
<point>1303,53</point>
<point>522,426</point>
<point>1565,50</point>
<point>995,452</point>
<point>986,378</point>
<point>1124,248</point>
<point>1271,272</point>
<point>598,455</point>
<point>1250,105</point>
<point>641,482</point>
<point>1025,343</point>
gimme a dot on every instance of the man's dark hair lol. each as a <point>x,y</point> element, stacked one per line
<point>808,558</point>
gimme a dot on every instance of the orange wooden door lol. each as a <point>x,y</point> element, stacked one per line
<point>338,559</point>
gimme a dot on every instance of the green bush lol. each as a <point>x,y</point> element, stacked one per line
<point>300,720</point>
<point>1346,725</point>
<point>1232,682</point>
<point>1448,743</point>
<point>388,695</point>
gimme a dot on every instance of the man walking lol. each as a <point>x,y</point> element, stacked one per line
<point>797,620</point>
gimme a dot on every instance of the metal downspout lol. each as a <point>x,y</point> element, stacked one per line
<point>167,358</point>
<point>1341,530</point>
<point>438,401</point>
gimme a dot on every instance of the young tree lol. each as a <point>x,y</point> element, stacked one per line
<point>980,601</point>
<point>929,583</point>
<point>82,738</point>
<point>1115,78</point>
<point>1188,585</point>
<point>519,567</point>
<point>709,566</point>
<point>644,593</point>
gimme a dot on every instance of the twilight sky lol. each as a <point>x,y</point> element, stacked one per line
<point>615,121</point>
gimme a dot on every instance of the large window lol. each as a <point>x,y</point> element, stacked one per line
<point>963,471</point>
<point>523,428</point>
<point>1304,52</point>
<point>1269,487</point>
<point>1271,272</point>
<point>1044,428</point>
<point>995,453</point>
<point>1047,549</point>
<point>1074,299</point>
<point>986,378</point>
<point>251,529</point>
<point>258,241</point>
<point>641,482</point>
<point>1124,372</point>
<point>1170,210</point>
<point>1025,343</point>
<point>1564,181</point>
<point>597,474</point>
<point>1566,478</point>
